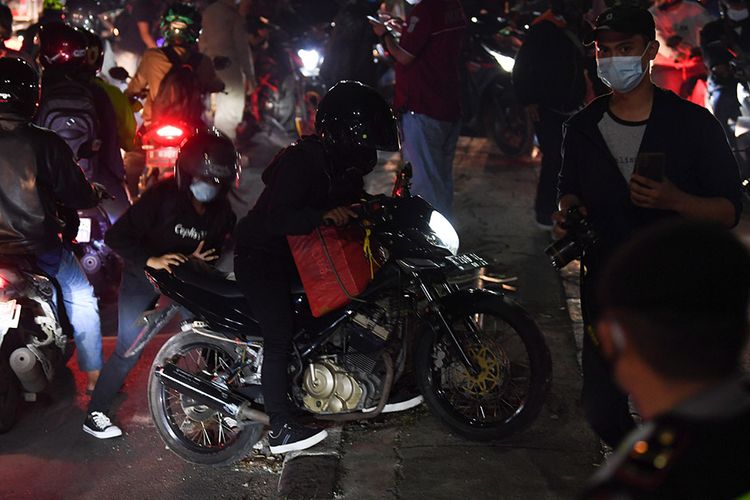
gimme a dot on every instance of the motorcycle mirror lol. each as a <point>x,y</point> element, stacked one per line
<point>119,74</point>
<point>221,62</point>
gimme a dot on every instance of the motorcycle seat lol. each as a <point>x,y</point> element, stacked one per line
<point>212,281</point>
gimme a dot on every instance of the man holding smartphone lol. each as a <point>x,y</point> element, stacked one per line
<point>631,158</point>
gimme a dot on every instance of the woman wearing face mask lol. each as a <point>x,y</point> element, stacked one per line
<point>724,41</point>
<point>630,159</point>
<point>183,217</point>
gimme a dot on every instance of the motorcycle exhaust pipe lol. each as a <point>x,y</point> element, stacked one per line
<point>209,393</point>
<point>28,369</point>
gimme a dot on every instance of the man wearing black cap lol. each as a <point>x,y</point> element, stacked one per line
<point>630,158</point>
<point>674,341</point>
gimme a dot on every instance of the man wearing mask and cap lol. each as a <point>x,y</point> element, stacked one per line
<point>631,158</point>
<point>724,41</point>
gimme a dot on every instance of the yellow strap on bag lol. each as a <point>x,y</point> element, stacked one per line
<point>368,252</point>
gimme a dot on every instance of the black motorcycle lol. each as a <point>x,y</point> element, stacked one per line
<point>489,105</point>
<point>479,359</point>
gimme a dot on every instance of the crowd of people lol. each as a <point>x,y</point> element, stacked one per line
<point>626,142</point>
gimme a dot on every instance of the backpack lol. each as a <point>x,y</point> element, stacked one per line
<point>67,108</point>
<point>179,96</point>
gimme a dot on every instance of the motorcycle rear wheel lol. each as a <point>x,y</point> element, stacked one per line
<point>515,369</point>
<point>194,432</point>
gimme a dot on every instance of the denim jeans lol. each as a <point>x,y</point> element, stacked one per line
<point>137,295</point>
<point>430,146</point>
<point>722,94</point>
<point>83,311</point>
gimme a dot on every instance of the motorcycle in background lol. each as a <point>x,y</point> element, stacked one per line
<point>489,105</point>
<point>33,344</point>
<point>287,68</point>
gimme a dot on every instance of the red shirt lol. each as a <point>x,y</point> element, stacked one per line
<point>433,34</point>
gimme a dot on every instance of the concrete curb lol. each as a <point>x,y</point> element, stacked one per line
<point>312,473</point>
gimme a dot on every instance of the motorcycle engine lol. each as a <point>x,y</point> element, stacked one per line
<point>330,389</point>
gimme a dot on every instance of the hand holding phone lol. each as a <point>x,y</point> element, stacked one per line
<point>651,166</point>
<point>375,20</point>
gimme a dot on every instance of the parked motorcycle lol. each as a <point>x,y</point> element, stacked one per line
<point>489,105</point>
<point>33,345</point>
<point>480,360</point>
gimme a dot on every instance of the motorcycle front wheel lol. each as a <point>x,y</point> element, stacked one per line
<point>507,391</point>
<point>195,432</point>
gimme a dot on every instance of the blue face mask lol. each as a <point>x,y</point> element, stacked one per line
<point>621,73</point>
<point>204,191</point>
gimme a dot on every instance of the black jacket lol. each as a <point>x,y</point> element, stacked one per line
<point>37,172</point>
<point>698,160</point>
<point>302,183</point>
<point>164,221</point>
<point>549,69</point>
<point>718,38</point>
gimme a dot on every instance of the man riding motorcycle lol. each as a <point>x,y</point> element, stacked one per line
<point>180,27</point>
<point>312,181</point>
<point>38,176</point>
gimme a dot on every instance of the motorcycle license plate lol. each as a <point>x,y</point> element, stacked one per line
<point>466,262</point>
<point>10,313</point>
<point>84,230</point>
<point>169,153</point>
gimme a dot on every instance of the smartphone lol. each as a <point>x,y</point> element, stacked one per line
<point>375,20</point>
<point>650,165</point>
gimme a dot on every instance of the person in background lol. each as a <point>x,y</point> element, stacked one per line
<point>549,79</point>
<point>224,35</point>
<point>427,93</point>
<point>678,27</point>
<point>184,216</point>
<point>53,11</point>
<point>630,159</point>
<point>673,328</point>
<point>723,42</point>
<point>40,175</point>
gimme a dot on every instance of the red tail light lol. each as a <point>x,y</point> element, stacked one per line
<point>170,132</point>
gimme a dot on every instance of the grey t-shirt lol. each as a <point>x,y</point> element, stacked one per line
<point>623,139</point>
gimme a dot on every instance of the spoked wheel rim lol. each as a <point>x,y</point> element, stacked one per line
<point>499,390</point>
<point>196,426</point>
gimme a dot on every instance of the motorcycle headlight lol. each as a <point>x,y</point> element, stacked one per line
<point>505,62</point>
<point>310,62</point>
<point>443,233</point>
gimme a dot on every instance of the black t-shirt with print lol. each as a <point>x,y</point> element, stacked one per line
<point>164,221</point>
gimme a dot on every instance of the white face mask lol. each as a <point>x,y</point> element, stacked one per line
<point>204,191</point>
<point>413,2</point>
<point>738,15</point>
<point>621,73</point>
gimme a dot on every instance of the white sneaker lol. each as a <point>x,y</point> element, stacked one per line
<point>401,400</point>
<point>100,426</point>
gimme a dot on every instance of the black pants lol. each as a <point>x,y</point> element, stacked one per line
<point>604,404</point>
<point>266,280</point>
<point>549,134</point>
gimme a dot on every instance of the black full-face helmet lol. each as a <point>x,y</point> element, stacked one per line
<point>208,163</point>
<point>353,115</point>
<point>62,47</point>
<point>19,87</point>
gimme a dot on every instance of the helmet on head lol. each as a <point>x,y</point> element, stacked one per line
<point>62,47</point>
<point>53,4</point>
<point>207,165</point>
<point>83,14</point>
<point>353,115</point>
<point>181,24</point>
<point>19,87</point>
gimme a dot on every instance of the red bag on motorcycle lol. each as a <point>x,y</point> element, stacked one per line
<point>333,266</point>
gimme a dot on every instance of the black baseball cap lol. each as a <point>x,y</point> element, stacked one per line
<point>624,19</point>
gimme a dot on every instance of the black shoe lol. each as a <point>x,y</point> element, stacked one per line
<point>401,399</point>
<point>98,425</point>
<point>294,437</point>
